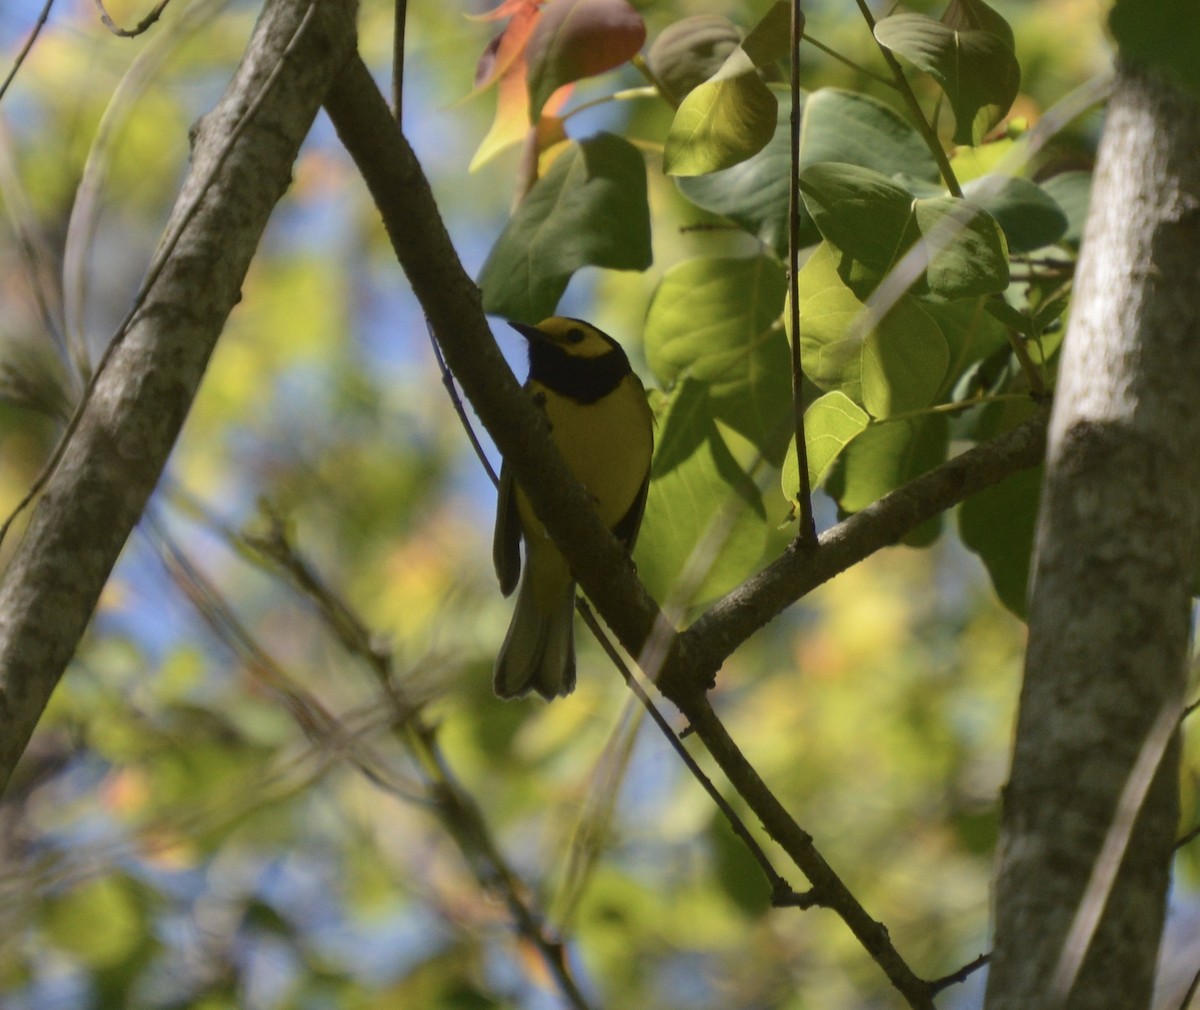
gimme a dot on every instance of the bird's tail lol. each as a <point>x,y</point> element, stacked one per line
<point>538,653</point>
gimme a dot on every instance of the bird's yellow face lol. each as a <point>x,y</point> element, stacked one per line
<point>577,338</point>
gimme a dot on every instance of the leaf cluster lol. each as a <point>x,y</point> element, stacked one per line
<point>934,268</point>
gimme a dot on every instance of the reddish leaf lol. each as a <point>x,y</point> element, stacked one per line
<point>507,9</point>
<point>574,39</point>
<point>507,50</point>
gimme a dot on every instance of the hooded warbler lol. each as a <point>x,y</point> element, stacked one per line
<point>599,419</point>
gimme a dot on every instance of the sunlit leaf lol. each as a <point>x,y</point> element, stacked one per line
<point>706,525</point>
<point>688,52</point>
<point>721,122</point>
<point>100,922</point>
<point>706,314</point>
<point>507,49</point>
<point>754,192</point>
<point>894,367</point>
<point>884,457</point>
<point>875,222</point>
<point>975,67</point>
<point>831,423</point>
<point>511,122</point>
<point>860,130</point>
<point>574,39</point>
<point>588,210</point>
<point>731,116</point>
<point>716,321</point>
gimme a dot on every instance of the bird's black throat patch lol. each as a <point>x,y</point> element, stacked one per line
<point>584,380</point>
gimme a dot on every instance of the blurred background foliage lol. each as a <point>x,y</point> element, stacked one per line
<point>225,805</point>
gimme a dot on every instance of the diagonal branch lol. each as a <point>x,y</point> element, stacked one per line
<point>752,605</point>
<point>452,306</point>
<point>451,303</point>
<point>113,460</point>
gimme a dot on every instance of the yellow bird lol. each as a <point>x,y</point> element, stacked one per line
<point>600,421</point>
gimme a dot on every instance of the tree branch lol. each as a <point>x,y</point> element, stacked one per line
<point>452,305</point>
<point>137,407</point>
<point>733,619</point>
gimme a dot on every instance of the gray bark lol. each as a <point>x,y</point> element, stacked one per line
<point>242,159</point>
<point>1091,808</point>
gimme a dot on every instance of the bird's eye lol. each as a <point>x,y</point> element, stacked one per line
<point>575,335</point>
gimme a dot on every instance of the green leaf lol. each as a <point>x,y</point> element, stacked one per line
<point>831,423</point>
<point>1028,215</point>
<point>574,39</point>
<point>1163,35</point>
<point>859,130</point>
<point>771,39</point>
<point>895,367</point>
<point>886,456</point>
<point>690,51</point>
<point>706,525</point>
<point>998,524</point>
<point>589,209</point>
<point>754,192</point>
<point>965,15</point>
<point>976,68</point>
<point>875,222</point>
<point>837,126</point>
<point>721,122</point>
<point>1071,191</point>
<point>100,922</point>
<point>717,321</point>
<point>972,334</point>
<point>738,873</point>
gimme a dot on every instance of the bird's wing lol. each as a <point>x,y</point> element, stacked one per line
<point>506,542</point>
<point>627,527</point>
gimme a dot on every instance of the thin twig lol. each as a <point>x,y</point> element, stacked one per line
<point>828,889</point>
<point>963,973</point>
<point>914,107</point>
<point>161,258</point>
<point>828,51</point>
<point>20,59</point>
<point>459,408</point>
<point>458,811</point>
<point>1191,992</point>
<point>398,34</point>
<point>806,536</point>
<point>139,28</point>
<point>781,891</point>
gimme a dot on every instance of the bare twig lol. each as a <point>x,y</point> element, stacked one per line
<point>459,408</point>
<point>120,441</point>
<point>398,34</point>
<point>781,891</point>
<point>180,223</point>
<point>456,808</point>
<point>139,28</point>
<point>963,973</point>
<point>29,41</point>
<point>806,536</point>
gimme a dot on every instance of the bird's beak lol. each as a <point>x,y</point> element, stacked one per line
<point>530,333</point>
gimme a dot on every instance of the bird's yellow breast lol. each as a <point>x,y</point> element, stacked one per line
<point>607,444</point>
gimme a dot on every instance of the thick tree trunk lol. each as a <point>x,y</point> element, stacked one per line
<point>1090,812</point>
<point>242,160</point>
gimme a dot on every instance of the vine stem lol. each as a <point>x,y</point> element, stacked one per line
<point>914,107</point>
